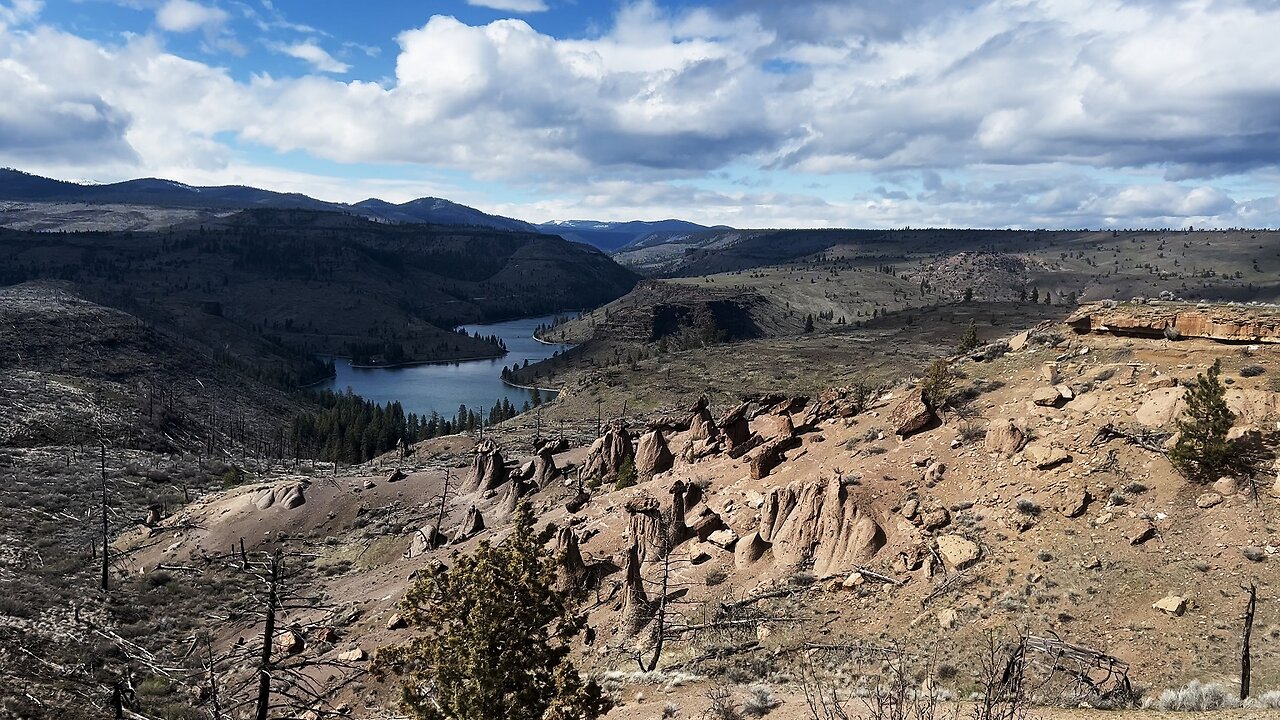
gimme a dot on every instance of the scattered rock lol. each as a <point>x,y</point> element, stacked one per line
<point>933,474</point>
<point>1047,397</point>
<point>1076,504</point>
<point>351,656</point>
<point>1255,554</point>
<point>1225,486</point>
<point>396,622</point>
<point>1208,500</point>
<point>1044,455</point>
<point>948,619</point>
<point>935,518</point>
<point>854,580</point>
<point>1171,604</point>
<point>958,552</point>
<point>910,508</point>
<point>724,539</point>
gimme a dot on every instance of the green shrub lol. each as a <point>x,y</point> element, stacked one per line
<point>1202,452</point>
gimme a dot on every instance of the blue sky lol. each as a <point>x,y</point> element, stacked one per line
<point>755,113</point>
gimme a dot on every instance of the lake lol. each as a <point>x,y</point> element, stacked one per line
<point>443,387</point>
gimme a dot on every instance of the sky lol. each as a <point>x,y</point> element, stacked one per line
<point>751,113</point>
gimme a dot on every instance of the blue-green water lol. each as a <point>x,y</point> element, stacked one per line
<point>443,387</point>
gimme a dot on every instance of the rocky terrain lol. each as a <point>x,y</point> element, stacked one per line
<point>1037,499</point>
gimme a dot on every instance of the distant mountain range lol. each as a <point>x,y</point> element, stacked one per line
<point>614,236</point>
<point>191,203</point>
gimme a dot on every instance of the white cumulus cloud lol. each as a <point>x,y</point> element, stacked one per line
<point>318,57</point>
<point>518,6</point>
<point>187,15</point>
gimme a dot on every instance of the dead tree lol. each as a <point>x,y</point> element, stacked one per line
<point>276,672</point>
<point>1245,669</point>
<point>106,529</point>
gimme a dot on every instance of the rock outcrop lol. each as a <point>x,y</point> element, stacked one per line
<point>287,497</point>
<point>1231,323</point>
<point>818,522</point>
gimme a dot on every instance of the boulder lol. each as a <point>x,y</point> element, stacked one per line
<point>910,508</point>
<point>396,622</point>
<point>1171,605</point>
<point>1044,455</point>
<point>958,552</point>
<point>396,476</point>
<point>935,518</point>
<point>288,643</point>
<point>1160,407</point>
<point>771,427</point>
<point>1019,341</point>
<point>765,458</point>
<point>750,549</point>
<point>1076,503</point>
<point>911,415</point>
<point>701,424</point>
<point>1047,397</point>
<point>425,540</point>
<point>948,618</point>
<point>472,525</point>
<point>1226,486</point>
<point>1004,437</point>
<point>351,656</point>
<point>734,425</point>
<point>724,539</point>
<point>1208,500</point>
<point>1140,532</point>
<point>293,497</point>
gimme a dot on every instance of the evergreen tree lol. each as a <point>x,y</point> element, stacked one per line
<point>808,323</point>
<point>968,295</point>
<point>969,340</point>
<point>937,384</point>
<point>495,642</point>
<point>1202,451</point>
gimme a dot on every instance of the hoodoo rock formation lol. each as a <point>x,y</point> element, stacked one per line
<point>610,453</point>
<point>571,569</point>
<point>818,522</point>
<point>545,471</point>
<point>488,469</point>
<point>701,425</point>
<point>735,427</point>
<point>653,456</point>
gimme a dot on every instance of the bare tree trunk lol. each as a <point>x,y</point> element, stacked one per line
<point>106,547</point>
<point>268,634</point>
<point>661,625</point>
<point>1244,642</point>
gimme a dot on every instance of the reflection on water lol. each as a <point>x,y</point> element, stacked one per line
<point>442,388</point>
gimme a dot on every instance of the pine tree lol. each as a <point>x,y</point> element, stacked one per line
<point>1202,451</point>
<point>808,323</point>
<point>969,340</point>
<point>496,637</point>
<point>937,384</point>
